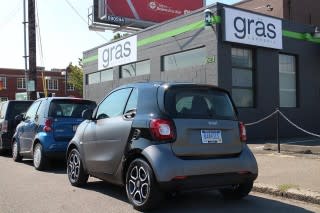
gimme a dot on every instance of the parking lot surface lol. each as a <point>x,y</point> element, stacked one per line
<point>23,189</point>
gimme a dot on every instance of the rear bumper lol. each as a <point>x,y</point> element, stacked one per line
<point>50,145</point>
<point>56,155</point>
<point>200,173</point>
<point>212,181</point>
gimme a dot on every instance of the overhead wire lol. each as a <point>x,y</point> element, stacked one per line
<point>39,37</point>
<point>83,19</point>
<point>11,15</point>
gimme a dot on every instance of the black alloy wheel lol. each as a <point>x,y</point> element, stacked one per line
<point>141,186</point>
<point>76,174</point>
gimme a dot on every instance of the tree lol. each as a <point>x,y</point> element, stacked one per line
<point>117,36</point>
<point>75,74</point>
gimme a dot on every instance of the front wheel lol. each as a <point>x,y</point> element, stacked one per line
<point>39,160</point>
<point>15,152</point>
<point>141,186</point>
<point>238,191</point>
<point>76,174</point>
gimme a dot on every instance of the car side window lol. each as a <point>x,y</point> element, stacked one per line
<point>133,101</point>
<point>114,104</point>
<point>31,113</point>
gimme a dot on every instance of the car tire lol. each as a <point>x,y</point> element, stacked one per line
<point>15,152</point>
<point>39,160</point>
<point>76,173</point>
<point>141,186</point>
<point>238,191</point>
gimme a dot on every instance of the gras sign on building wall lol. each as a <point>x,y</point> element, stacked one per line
<point>118,53</point>
<point>253,29</point>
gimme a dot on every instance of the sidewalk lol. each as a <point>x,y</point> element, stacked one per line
<point>289,173</point>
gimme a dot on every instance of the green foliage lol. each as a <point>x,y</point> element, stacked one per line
<point>75,74</point>
<point>286,187</point>
<point>118,36</point>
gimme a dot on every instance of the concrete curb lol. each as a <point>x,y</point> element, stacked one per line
<point>293,148</point>
<point>296,194</point>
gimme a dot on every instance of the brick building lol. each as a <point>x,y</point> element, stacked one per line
<point>12,81</point>
<point>298,11</point>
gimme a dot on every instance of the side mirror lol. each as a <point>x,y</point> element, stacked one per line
<point>18,118</point>
<point>87,114</point>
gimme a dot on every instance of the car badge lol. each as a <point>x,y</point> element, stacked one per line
<point>213,123</point>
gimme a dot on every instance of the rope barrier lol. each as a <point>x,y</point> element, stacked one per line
<point>298,127</point>
<point>287,119</point>
<point>263,119</point>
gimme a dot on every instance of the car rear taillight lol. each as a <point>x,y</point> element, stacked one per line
<point>4,126</point>
<point>243,132</point>
<point>47,125</point>
<point>162,129</point>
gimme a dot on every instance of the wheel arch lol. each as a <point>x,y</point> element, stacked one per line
<point>131,156</point>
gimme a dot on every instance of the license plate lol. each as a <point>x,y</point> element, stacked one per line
<point>211,136</point>
<point>74,127</point>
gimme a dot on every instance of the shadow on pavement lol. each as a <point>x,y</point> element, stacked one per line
<point>56,167</point>
<point>108,189</point>
<point>202,201</point>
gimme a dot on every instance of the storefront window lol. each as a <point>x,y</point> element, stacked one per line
<point>107,75</point>
<point>287,81</point>
<point>135,69</point>
<point>242,77</point>
<point>195,57</point>
<point>94,78</point>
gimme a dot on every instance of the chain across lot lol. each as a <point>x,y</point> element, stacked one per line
<point>287,119</point>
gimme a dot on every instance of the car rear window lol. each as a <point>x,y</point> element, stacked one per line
<point>199,103</point>
<point>16,108</point>
<point>69,108</point>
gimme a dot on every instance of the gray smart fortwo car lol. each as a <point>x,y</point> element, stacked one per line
<point>156,138</point>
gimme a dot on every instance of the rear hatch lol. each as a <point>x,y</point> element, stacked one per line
<point>66,115</point>
<point>205,120</point>
<point>65,128</point>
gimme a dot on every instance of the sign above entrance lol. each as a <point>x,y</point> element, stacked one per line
<point>118,53</point>
<point>253,29</point>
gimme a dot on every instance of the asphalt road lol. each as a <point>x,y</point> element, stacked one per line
<point>23,189</point>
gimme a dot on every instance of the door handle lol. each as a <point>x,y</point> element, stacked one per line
<point>130,114</point>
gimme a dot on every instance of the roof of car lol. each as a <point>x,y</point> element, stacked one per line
<point>17,101</point>
<point>169,83</point>
<point>62,98</point>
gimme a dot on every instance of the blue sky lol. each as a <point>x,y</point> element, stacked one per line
<point>64,33</point>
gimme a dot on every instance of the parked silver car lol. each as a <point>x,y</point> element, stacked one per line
<point>156,138</point>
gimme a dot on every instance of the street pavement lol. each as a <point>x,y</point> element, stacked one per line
<point>288,173</point>
<point>25,190</point>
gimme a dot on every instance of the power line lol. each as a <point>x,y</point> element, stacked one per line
<point>83,19</point>
<point>39,37</point>
<point>11,15</point>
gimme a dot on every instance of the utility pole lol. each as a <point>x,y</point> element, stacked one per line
<point>32,49</point>
<point>25,46</point>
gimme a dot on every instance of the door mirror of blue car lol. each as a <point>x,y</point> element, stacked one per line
<point>87,114</point>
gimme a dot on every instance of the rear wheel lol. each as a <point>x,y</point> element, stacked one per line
<point>141,186</point>
<point>238,191</point>
<point>76,174</point>
<point>39,160</point>
<point>15,152</point>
